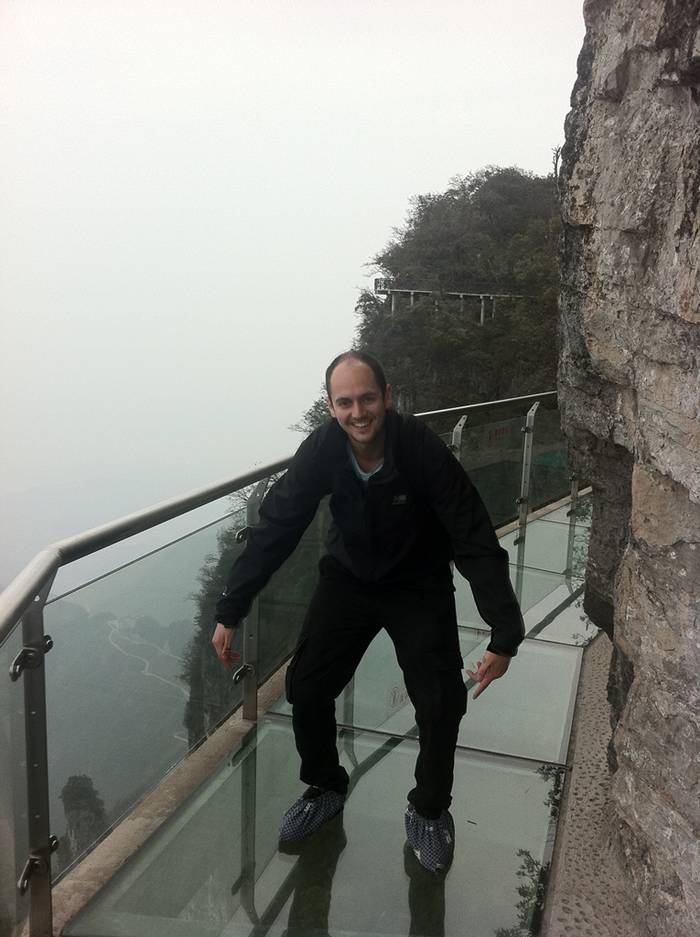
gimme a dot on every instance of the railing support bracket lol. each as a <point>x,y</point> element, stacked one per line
<point>29,658</point>
<point>247,670</point>
<point>35,863</point>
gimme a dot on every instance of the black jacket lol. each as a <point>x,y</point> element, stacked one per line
<point>415,515</point>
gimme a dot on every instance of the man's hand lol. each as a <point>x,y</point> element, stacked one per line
<point>222,645</point>
<point>490,668</point>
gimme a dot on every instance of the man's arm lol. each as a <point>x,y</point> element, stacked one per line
<point>285,513</point>
<point>478,555</point>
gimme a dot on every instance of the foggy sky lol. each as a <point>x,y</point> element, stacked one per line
<point>190,195</point>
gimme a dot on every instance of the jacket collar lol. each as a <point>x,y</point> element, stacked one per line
<point>391,432</point>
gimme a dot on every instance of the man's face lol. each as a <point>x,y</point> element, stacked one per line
<point>357,403</point>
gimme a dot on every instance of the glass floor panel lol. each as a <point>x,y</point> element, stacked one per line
<point>547,547</point>
<point>542,595</point>
<point>528,712</point>
<point>510,717</point>
<point>570,626</point>
<point>553,605</point>
<point>215,870</point>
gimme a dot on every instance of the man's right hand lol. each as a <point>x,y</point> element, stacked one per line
<point>222,645</point>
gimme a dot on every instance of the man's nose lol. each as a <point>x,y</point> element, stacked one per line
<point>357,410</point>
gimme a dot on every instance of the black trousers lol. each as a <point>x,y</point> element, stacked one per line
<point>343,618</point>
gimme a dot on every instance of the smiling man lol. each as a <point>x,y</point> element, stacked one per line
<point>403,509</point>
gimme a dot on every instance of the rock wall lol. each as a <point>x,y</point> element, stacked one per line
<point>629,387</point>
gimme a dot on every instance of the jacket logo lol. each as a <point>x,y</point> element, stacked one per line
<point>399,499</point>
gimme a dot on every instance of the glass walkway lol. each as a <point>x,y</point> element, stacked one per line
<point>130,687</point>
<point>216,869</point>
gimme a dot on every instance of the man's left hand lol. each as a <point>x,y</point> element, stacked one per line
<point>490,668</point>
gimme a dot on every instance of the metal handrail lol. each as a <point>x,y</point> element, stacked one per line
<point>21,591</point>
<point>489,403</point>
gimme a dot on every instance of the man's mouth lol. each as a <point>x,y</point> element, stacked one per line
<point>361,425</point>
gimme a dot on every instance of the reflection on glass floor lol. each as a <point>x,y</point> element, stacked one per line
<point>215,869</point>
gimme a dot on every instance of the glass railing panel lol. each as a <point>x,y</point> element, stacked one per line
<point>132,681</point>
<point>283,602</point>
<point>550,477</point>
<point>105,561</point>
<point>138,644</point>
<point>14,845</point>
<point>492,456</point>
<point>583,513</point>
<point>191,876</point>
<point>491,451</point>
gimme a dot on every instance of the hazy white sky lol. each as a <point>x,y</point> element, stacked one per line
<point>190,193</point>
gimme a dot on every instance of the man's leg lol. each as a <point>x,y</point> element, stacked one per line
<point>339,626</point>
<point>423,627</point>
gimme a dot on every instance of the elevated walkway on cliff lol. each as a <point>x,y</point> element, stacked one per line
<point>151,692</point>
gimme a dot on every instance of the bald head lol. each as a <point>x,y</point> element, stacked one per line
<point>363,358</point>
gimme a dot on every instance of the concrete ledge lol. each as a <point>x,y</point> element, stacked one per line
<point>588,893</point>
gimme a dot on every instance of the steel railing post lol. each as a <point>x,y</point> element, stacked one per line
<point>29,665</point>
<point>251,630</point>
<point>349,703</point>
<point>572,527</point>
<point>524,500</point>
<point>456,445</point>
<point>249,787</point>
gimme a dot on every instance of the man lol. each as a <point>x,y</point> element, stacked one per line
<point>403,508</point>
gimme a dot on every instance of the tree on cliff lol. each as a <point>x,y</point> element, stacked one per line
<point>86,819</point>
<point>495,230</point>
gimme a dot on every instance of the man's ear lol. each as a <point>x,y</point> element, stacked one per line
<point>387,396</point>
<point>330,407</point>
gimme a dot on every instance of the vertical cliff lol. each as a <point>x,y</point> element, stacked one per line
<point>630,391</point>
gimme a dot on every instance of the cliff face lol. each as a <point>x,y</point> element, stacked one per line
<point>629,388</point>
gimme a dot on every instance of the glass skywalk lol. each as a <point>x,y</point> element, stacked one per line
<point>215,868</point>
<point>132,686</point>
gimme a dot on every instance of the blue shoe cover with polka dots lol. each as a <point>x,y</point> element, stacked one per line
<point>309,814</point>
<point>432,841</point>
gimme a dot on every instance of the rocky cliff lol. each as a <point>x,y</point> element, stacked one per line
<point>630,394</point>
